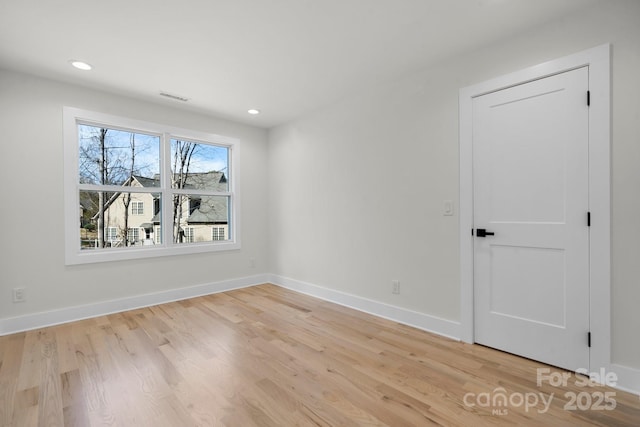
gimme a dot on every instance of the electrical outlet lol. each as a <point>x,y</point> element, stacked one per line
<point>395,286</point>
<point>19,295</point>
<point>252,262</point>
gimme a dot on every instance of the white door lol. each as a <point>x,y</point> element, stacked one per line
<point>531,176</point>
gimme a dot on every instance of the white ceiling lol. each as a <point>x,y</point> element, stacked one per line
<point>284,57</point>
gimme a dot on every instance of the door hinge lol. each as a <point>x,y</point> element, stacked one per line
<point>588,98</point>
<point>589,339</point>
<point>588,219</point>
<point>472,231</point>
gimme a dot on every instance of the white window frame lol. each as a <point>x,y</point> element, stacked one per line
<point>74,255</point>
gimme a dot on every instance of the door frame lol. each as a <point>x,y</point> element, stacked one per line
<point>598,60</point>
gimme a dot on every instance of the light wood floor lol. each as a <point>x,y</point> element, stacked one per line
<point>265,356</point>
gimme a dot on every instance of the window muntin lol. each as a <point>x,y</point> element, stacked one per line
<point>128,167</point>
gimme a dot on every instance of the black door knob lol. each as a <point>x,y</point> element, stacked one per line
<point>481,232</point>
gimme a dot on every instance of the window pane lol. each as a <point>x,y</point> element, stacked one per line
<point>110,157</point>
<point>133,235</point>
<point>137,207</point>
<point>193,225</point>
<point>188,234</point>
<point>157,234</point>
<point>218,233</point>
<point>116,225</point>
<point>199,166</point>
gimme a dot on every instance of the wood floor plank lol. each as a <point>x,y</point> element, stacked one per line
<point>74,409</point>
<point>100,410</point>
<point>30,374</point>
<point>50,410</point>
<point>65,347</point>
<point>12,348</point>
<point>266,356</point>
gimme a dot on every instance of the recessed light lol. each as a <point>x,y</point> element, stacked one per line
<point>253,111</point>
<point>80,65</point>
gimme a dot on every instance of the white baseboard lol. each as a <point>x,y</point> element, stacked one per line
<point>55,317</point>
<point>628,378</point>
<point>418,320</point>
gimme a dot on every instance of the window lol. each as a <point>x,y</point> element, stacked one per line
<point>115,166</point>
<point>217,233</point>
<point>133,235</point>
<point>111,234</point>
<point>188,235</point>
<point>194,203</point>
<point>137,208</point>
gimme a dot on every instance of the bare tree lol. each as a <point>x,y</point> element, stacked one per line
<point>181,161</point>
<point>126,198</point>
<point>102,168</point>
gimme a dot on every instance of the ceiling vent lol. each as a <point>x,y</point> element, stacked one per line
<point>176,97</point>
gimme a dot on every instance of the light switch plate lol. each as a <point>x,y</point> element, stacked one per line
<point>448,208</point>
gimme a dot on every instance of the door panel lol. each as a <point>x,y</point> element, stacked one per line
<point>522,278</point>
<point>530,159</point>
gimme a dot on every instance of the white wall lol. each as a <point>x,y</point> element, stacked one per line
<point>32,204</point>
<point>357,188</point>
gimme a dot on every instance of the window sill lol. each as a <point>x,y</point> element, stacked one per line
<point>151,251</point>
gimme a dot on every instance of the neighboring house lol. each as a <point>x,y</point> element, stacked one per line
<point>201,219</point>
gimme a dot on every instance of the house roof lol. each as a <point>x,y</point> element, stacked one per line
<point>212,210</point>
<point>146,182</point>
<point>210,181</point>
